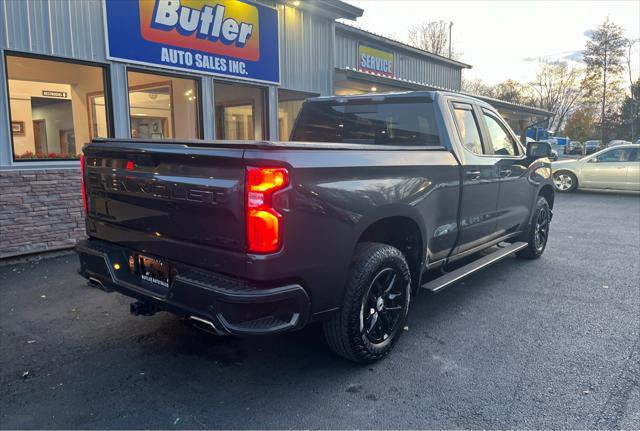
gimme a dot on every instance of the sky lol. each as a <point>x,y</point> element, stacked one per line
<point>504,39</point>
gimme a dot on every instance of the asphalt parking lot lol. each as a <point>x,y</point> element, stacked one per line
<point>551,343</point>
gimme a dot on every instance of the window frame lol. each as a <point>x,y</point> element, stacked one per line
<point>367,101</point>
<point>611,150</point>
<point>496,117</point>
<point>295,120</point>
<point>265,104</point>
<point>163,73</point>
<point>467,106</point>
<point>106,81</point>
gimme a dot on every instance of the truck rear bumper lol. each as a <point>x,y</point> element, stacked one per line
<point>229,305</point>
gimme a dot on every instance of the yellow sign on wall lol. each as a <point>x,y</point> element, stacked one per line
<point>373,60</point>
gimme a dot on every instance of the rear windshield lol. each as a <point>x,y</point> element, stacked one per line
<point>392,122</point>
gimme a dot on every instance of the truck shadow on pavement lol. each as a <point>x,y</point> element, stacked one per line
<point>172,337</point>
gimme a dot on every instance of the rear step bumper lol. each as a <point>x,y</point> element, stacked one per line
<point>230,305</point>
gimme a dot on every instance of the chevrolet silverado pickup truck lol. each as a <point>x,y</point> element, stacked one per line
<point>374,198</point>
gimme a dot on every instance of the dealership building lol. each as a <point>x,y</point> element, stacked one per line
<point>71,71</point>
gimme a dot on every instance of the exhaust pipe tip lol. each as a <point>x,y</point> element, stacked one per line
<point>205,325</point>
<point>94,282</point>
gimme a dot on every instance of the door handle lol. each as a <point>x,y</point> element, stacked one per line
<point>473,175</point>
<point>505,172</point>
<point>620,167</point>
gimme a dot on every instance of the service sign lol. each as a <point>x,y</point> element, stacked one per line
<point>231,38</point>
<point>373,60</point>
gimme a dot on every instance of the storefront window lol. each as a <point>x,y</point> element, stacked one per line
<point>163,106</point>
<point>289,104</point>
<point>240,111</point>
<point>53,108</point>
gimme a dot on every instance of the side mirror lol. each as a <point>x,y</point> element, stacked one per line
<point>593,160</point>
<point>538,150</point>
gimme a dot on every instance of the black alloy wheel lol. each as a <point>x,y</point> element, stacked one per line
<point>542,229</point>
<point>375,304</point>
<point>383,306</point>
<point>537,234</point>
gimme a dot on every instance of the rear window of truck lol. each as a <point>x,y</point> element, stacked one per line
<point>372,122</point>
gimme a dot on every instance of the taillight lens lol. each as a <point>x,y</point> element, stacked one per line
<point>83,185</point>
<point>264,223</point>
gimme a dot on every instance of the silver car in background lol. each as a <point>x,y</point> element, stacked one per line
<point>612,168</point>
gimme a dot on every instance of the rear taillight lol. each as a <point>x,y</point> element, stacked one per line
<point>83,185</point>
<point>264,223</point>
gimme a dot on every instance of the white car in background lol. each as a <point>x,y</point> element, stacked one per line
<point>615,168</point>
<point>616,142</point>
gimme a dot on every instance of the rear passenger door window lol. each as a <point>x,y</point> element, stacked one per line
<point>468,129</point>
<point>502,143</point>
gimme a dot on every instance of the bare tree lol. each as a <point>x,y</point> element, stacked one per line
<point>509,91</point>
<point>478,87</point>
<point>630,44</point>
<point>432,36</point>
<point>557,87</point>
<point>514,92</point>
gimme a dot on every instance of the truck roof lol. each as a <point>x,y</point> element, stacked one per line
<point>431,95</point>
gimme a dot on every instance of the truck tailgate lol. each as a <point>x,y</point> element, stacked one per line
<point>166,193</point>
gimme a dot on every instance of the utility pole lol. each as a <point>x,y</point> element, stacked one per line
<point>604,95</point>
<point>450,25</point>
<point>634,102</point>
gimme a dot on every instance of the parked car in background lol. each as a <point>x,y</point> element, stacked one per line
<point>592,146</point>
<point>616,142</point>
<point>573,147</point>
<point>554,153</point>
<point>612,168</point>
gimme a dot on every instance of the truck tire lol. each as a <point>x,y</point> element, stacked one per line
<point>538,233</point>
<point>375,304</point>
<point>565,181</point>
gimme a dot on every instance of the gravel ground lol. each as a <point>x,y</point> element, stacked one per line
<point>551,343</point>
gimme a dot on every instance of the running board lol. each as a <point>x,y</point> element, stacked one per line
<point>451,277</point>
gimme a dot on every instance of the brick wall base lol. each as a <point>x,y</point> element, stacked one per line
<point>40,210</point>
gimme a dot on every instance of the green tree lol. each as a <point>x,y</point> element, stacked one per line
<point>630,114</point>
<point>604,56</point>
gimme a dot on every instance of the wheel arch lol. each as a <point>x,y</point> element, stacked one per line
<point>570,171</point>
<point>402,232</point>
<point>548,192</point>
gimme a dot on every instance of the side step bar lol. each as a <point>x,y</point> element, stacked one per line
<point>451,277</point>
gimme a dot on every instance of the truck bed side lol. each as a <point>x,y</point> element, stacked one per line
<point>185,202</point>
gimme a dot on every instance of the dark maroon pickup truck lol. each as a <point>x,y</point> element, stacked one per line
<point>375,198</point>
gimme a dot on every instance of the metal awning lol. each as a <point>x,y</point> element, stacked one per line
<point>520,117</point>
